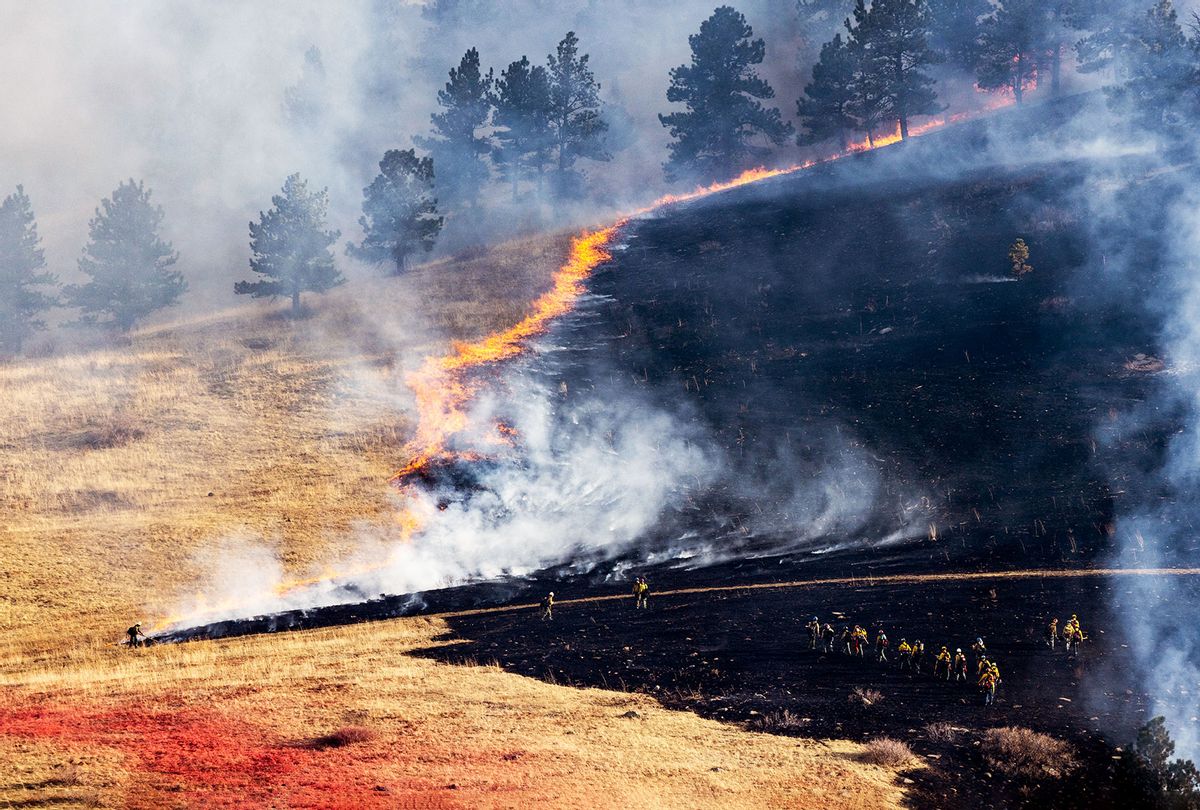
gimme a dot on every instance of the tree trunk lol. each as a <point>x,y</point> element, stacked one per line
<point>903,127</point>
<point>1019,79</point>
<point>870,139</point>
<point>1056,69</point>
<point>515,178</point>
<point>295,300</point>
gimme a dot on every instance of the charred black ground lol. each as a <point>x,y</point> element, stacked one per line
<point>863,317</point>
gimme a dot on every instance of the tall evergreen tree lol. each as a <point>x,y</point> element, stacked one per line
<point>455,145</point>
<point>576,127</point>
<point>523,136</point>
<point>1161,69</point>
<point>825,109</point>
<point>1111,27</point>
<point>1012,47</point>
<point>289,246</point>
<point>721,90</point>
<point>23,296</point>
<point>304,102</point>
<point>954,30</point>
<point>128,264</point>
<point>399,211</point>
<point>892,36</point>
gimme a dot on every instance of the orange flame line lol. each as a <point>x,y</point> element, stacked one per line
<point>442,387</point>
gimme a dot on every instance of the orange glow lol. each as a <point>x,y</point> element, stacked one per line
<point>444,385</point>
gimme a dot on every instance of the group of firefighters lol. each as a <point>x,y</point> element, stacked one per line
<point>854,642</point>
<point>911,657</point>
<point>914,657</point>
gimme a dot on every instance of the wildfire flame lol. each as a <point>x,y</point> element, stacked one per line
<point>445,384</point>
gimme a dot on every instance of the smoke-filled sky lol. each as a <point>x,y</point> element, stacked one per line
<point>190,97</point>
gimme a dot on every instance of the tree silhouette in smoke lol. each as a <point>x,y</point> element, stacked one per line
<point>891,39</point>
<point>524,139</point>
<point>825,109</point>
<point>721,90</point>
<point>399,211</point>
<point>289,246</point>
<point>128,264</point>
<point>23,298</point>
<point>457,149</point>
<point>576,126</point>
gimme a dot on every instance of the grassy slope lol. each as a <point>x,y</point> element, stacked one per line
<point>107,459</point>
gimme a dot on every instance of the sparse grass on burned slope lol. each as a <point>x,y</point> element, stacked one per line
<point>232,723</point>
<point>119,465</point>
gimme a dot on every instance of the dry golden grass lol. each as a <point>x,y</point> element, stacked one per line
<point>502,740</point>
<point>119,467</point>
<point>108,457</point>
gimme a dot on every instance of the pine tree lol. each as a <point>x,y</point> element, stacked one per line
<point>825,108</point>
<point>455,145</point>
<point>289,246</point>
<point>954,30</point>
<point>721,90</point>
<point>399,210</point>
<point>1012,47</point>
<point>892,37</point>
<point>304,102</point>
<point>576,127</point>
<point>1161,69</point>
<point>21,262</point>
<point>1112,28</point>
<point>128,264</point>
<point>522,118</point>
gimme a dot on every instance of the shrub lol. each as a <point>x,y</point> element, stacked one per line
<point>1026,754</point>
<point>347,735</point>
<point>781,721</point>
<point>941,732</point>
<point>887,752</point>
<point>865,697</point>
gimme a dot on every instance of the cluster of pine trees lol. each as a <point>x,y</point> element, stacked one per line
<point>128,267</point>
<point>878,73</point>
<point>531,125</point>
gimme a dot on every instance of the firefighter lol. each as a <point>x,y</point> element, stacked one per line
<point>641,594</point>
<point>941,664</point>
<point>1052,633</point>
<point>133,633</point>
<point>1073,634</point>
<point>860,640</point>
<point>548,607</point>
<point>814,633</point>
<point>828,634</point>
<point>881,645</point>
<point>980,650</point>
<point>918,654</point>
<point>904,655</point>
<point>982,665</point>
<point>844,640</point>
<point>960,665</point>
<point>989,679</point>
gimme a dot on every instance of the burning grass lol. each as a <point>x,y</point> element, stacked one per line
<point>119,466</point>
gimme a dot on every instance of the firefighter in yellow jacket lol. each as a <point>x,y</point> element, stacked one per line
<point>988,681</point>
<point>941,665</point>
<point>641,594</point>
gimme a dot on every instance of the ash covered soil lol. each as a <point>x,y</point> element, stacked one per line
<point>856,346</point>
<point>742,655</point>
<point>881,397</point>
